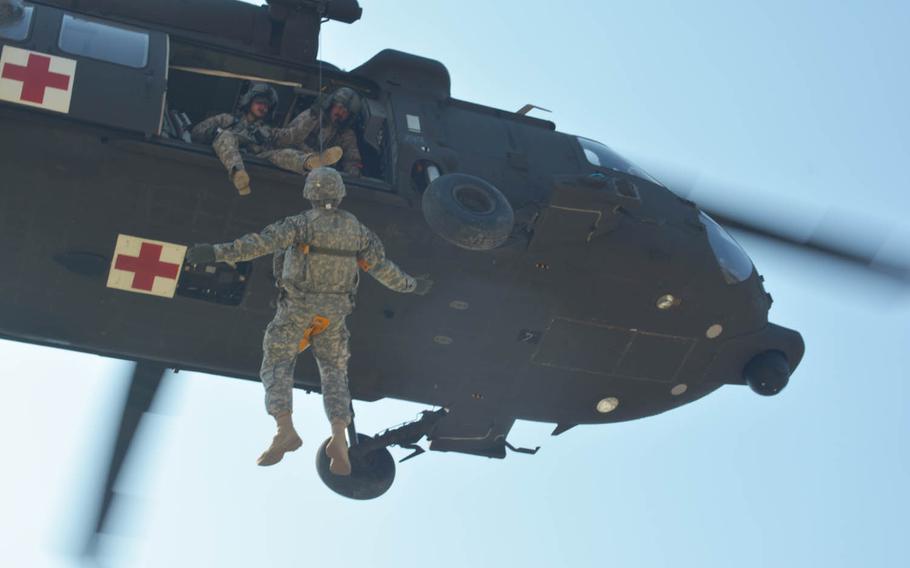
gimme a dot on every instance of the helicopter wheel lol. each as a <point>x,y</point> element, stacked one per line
<point>468,211</point>
<point>371,474</point>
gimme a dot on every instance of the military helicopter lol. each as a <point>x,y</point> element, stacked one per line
<point>572,287</point>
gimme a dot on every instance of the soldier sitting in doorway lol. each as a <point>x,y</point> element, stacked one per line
<point>248,131</point>
<point>329,123</point>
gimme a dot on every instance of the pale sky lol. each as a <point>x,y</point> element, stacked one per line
<point>792,108</point>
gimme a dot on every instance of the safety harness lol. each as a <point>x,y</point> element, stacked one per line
<point>317,326</point>
<point>307,249</point>
<point>320,323</point>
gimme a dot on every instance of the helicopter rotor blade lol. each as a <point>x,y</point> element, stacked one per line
<point>821,242</point>
<point>845,236</point>
<point>144,383</point>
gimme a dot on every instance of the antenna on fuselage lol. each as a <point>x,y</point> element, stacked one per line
<point>529,107</point>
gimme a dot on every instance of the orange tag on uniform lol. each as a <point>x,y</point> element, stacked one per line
<point>317,326</point>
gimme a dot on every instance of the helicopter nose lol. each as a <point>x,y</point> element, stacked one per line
<point>767,373</point>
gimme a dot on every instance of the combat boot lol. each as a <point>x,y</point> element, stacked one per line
<point>327,157</point>
<point>337,449</point>
<point>241,181</point>
<point>286,440</point>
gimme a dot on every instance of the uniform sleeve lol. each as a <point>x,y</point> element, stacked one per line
<point>372,259</point>
<point>351,161</point>
<point>276,237</point>
<point>284,137</point>
<point>204,132</point>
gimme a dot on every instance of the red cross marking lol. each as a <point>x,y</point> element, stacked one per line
<point>147,266</point>
<point>36,77</point>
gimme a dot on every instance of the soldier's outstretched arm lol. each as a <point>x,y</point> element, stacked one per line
<point>204,132</point>
<point>373,261</point>
<point>277,236</point>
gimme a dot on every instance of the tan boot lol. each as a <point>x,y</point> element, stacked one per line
<point>241,181</point>
<point>327,157</point>
<point>337,449</point>
<point>286,440</point>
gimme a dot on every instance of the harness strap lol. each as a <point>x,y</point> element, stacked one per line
<point>307,249</point>
<point>317,326</point>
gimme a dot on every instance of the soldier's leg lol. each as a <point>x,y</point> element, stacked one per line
<point>286,159</point>
<point>227,148</point>
<point>332,353</point>
<point>300,161</point>
<point>279,354</point>
<point>280,346</point>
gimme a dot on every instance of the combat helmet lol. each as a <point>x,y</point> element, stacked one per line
<point>349,99</point>
<point>257,91</point>
<point>324,185</point>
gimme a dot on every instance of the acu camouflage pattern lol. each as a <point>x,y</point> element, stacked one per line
<point>307,138</point>
<point>280,347</point>
<point>321,282</point>
<point>257,138</point>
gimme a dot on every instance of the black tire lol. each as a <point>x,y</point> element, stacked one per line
<point>468,212</point>
<point>371,475</point>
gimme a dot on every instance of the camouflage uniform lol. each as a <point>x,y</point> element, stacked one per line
<point>257,138</point>
<point>319,281</point>
<point>306,137</point>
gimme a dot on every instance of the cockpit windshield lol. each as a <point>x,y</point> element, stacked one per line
<point>733,260</point>
<point>602,156</point>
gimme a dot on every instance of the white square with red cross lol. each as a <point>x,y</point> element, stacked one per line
<point>146,266</point>
<point>36,79</point>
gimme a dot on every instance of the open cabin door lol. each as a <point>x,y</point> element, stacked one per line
<point>87,68</point>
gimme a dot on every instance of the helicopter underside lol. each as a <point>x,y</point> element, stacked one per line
<point>499,339</point>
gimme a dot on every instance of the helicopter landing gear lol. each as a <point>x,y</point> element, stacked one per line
<point>371,474</point>
<point>372,465</point>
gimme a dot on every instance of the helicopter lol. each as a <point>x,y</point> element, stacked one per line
<point>528,231</point>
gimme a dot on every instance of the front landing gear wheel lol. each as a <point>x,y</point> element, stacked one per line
<point>371,474</point>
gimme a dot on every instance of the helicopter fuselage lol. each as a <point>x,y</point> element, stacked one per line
<point>612,299</point>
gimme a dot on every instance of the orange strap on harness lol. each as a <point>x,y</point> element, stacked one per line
<point>317,326</point>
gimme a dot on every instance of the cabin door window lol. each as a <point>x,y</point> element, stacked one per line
<point>90,69</point>
<point>16,26</point>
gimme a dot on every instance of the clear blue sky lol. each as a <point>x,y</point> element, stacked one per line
<point>799,108</point>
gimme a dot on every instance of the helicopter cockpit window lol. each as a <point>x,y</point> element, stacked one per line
<point>102,41</point>
<point>602,156</point>
<point>16,29</point>
<point>733,260</point>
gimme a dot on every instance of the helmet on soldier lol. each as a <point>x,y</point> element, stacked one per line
<point>348,99</point>
<point>324,184</point>
<point>259,91</point>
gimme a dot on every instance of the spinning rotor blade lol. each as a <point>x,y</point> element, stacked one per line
<point>820,242</point>
<point>846,236</point>
<point>144,383</point>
